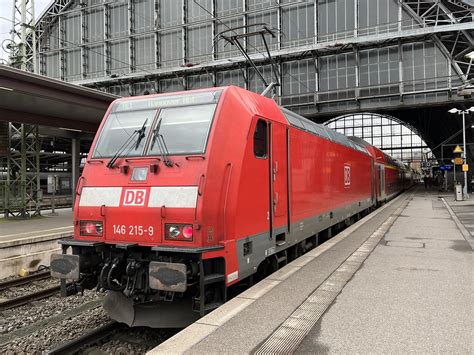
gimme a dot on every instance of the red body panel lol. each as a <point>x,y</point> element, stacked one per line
<point>317,175</point>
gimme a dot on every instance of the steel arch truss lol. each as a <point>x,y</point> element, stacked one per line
<point>389,117</point>
<point>456,44</point>
<point>424,148</point>
<point>50,17</point>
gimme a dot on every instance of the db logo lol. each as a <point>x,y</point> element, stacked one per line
<point>347,175</point>
<point>135,197</point>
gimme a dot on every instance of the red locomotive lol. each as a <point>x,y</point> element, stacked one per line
<point>186,194</point>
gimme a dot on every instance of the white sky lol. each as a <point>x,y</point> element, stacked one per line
<point>6,12</point>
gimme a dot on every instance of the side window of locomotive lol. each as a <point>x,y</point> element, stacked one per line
<point>260,139</point>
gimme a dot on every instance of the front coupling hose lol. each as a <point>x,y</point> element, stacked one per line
<point>114,284</point>
<point>101,285</point>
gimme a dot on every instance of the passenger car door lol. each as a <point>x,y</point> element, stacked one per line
<point>260,166</point>
<point>279,177</point>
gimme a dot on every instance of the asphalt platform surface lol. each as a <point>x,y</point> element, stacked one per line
<point>413,294</point>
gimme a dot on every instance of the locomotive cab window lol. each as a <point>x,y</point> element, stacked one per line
<point>175,124</point>
<point>260,139</point>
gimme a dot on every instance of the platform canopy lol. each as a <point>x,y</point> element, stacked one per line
<point>36,99</point>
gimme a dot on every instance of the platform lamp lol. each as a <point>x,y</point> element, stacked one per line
<point>463,113</point>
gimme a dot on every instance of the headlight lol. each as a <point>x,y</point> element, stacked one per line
<point>181,232</point>
<point>174,232</point>
<point>91,228</point>
<point>139,174</point>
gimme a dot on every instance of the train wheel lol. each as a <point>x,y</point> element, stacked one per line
<point>292,253</point>
<point>273,264</point>
<point>263,269</point>
<point>300,248</point>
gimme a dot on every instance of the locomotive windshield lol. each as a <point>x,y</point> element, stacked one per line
<point>182,121</point>
<point>119,129</point>
<point>184,129</point>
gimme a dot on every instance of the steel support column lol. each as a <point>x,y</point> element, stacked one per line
<point>23,195</point>
<point>4,148</point>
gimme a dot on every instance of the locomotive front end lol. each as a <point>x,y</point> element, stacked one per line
<point>138,213</point>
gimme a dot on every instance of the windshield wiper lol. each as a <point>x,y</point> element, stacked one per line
<point>166,160</point>
<point>139,133</point>
<point>161,146</point>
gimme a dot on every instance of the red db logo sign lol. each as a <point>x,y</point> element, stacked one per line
<point>347,175</point>
<point>135,197</point>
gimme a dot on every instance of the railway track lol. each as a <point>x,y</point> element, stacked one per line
<point>88,339</point>
<point>25,280</point>
<point>25,299</point>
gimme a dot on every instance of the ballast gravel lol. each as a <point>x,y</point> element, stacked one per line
<point>19,317</point>
<point>48,337</point>
<point>127,341</point>
<point>14,292</point>
<point>137,340</point>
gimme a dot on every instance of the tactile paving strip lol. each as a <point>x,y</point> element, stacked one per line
<point>288,336</point>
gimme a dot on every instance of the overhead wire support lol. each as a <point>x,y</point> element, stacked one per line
<point>256,49</point>
<point>22,189</point>
<point>22,44</point>
<point>234,40</point>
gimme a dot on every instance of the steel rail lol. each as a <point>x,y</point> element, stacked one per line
<point>25,280</point>
<point>22,300</point>
<point>75,345</point>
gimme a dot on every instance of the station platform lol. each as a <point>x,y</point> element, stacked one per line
<point>27,244</point>
<point>463,214</point>
<point>14,229</point>
<point>399,280</point>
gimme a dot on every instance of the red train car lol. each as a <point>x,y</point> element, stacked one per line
<point>390,176</point>
<point>186,194</point>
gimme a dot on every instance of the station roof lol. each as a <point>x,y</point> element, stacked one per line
<point>35,99</point>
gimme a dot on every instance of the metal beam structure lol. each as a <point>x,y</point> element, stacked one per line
<point>456,44</point>
<point>334,57</point>
<point>287,55</point>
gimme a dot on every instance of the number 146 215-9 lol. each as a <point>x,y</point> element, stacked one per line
<point>122,229</point>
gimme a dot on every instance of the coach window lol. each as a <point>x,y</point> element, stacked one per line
<point>260,139</point>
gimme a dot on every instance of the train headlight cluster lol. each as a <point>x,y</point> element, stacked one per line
<point>181,232</point>
<point>91,228</point>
